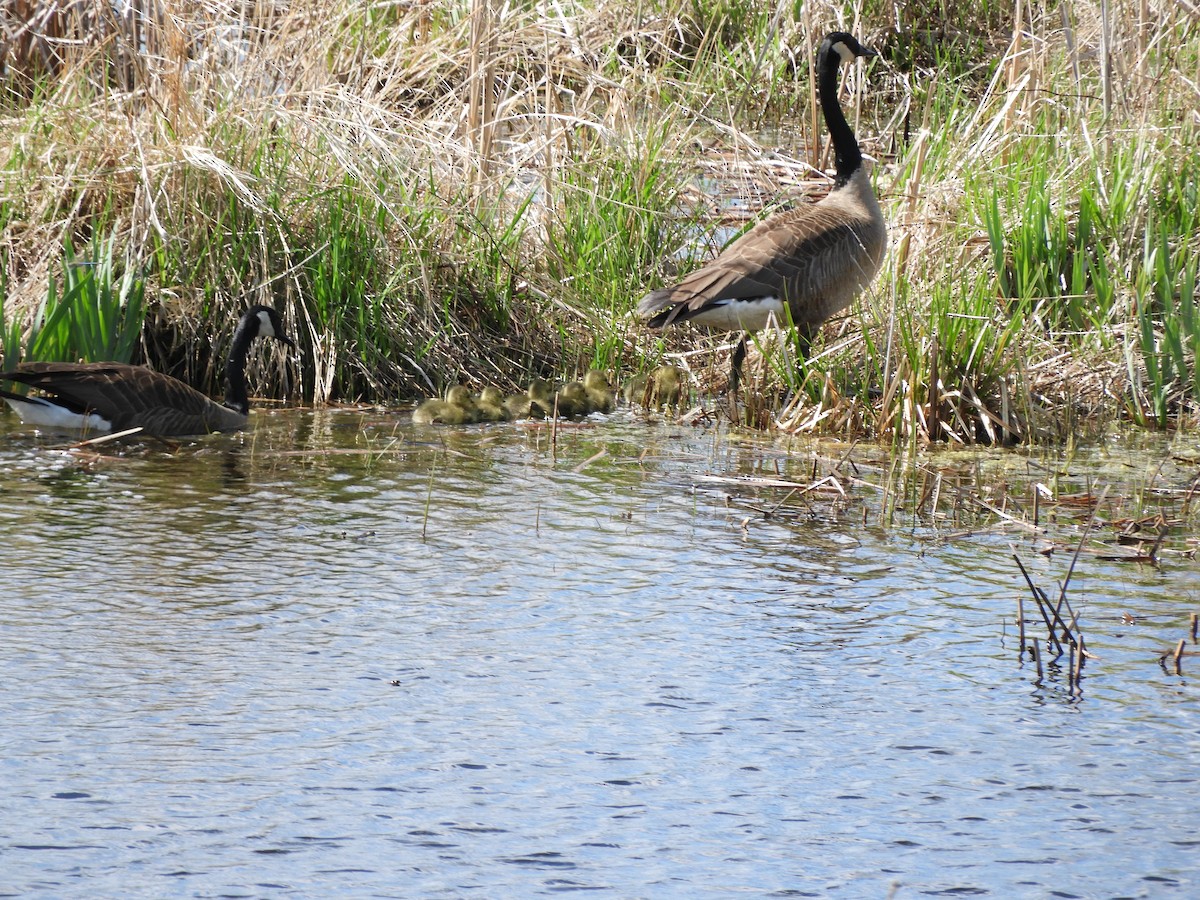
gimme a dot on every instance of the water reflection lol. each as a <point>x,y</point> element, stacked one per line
<point>340,653</point>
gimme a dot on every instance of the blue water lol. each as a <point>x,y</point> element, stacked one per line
<point>343,656</point>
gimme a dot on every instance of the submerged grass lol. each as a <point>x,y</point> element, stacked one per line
<point>479,193</point>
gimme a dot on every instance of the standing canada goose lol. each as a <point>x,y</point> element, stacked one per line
<point>801,265</point>
<point>107,396</point>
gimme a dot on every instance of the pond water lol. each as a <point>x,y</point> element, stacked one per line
<point>341,655</point>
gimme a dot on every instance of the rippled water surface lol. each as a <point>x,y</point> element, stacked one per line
<point>343,656</point>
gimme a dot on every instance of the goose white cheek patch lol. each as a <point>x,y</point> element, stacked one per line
<point>265,328</point>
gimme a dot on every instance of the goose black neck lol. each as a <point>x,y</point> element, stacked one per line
<point>236,396</point>
<point>845,146</point>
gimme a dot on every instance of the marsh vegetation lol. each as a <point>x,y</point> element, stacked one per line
<point>479,193</point>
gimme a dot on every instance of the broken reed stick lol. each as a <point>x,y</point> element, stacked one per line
<point>428,502</point>
<point>1072,655</point>
<point>1072,629</point>
<point>1037,658</point>
<point>1195,622</point>
<point>554,433</point>
<point>1021,624</point>
<point>1043,602</point>
<point>1079,547</point>
<point>1178,656</point>
<point>1162,534</point>
<point>1080,655</point>
<point>1055,621</point>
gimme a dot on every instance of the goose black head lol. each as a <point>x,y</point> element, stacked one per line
<point>845,46</point>
<point>269,324</point>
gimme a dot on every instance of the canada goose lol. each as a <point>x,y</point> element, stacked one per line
<point>601,397</point>
<point>661,387</point>
<point>518,406</point>
<point>436,411</point>
<point>541,396</point>
<point>491,405</point>
<point>572,400</point>
<point>108,396</point>
<point>634,390</point>
<point>667,385</point>
<point>458,408</point>
<point>461,397</point>
<point>801,265</point>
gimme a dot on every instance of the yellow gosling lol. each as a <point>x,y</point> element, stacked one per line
<point>491,405</point>
<point>664,386</point>
<point>518,406</point>
<point>541,396</point>
<point>600,394</point>
<point>572,400</point>
<point>668,385</point>
<point>438,412</point>
<point>635,390</point>
<point>461,397</point>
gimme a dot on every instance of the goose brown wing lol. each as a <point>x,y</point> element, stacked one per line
<point>129,397</point>
<point>790,256</point>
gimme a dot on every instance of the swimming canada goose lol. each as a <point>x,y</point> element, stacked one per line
<point>801,265</point>
<point>107,396</point>
<point>518,406</point>
<point>459,408</point>
<point>460,397</point>
<point>572,400</point>
<point>491,405</point>
<point>436,411</point>
<point>541,397</point>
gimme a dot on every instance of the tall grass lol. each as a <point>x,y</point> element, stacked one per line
<point>617,218</point>
<point>473,191</point>
<point>1168,323</point>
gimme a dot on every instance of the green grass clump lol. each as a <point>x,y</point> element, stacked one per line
<point>93,312</point>
<point>616,219</point>
<point>1168,323</point>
